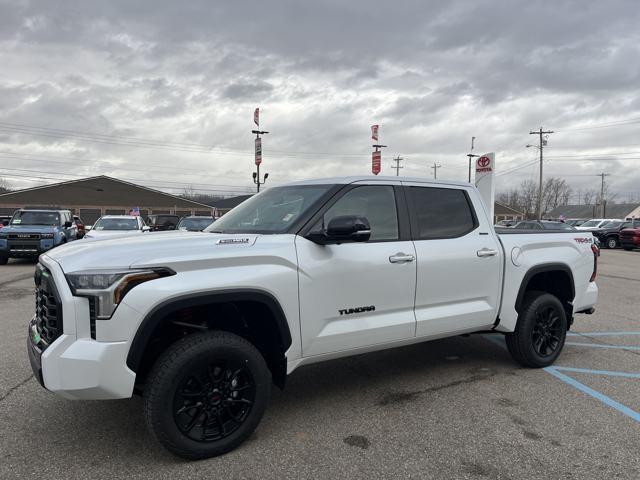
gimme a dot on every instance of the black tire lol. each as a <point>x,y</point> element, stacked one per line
<point>612,242</point>
<point>190,394</point>
<point>4,260</point>
<point>540,332</point>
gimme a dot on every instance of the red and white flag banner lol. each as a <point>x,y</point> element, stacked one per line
<point>256,116</point>
<point>258,150</point>
<point>376,162</point>
<point>374,132</point>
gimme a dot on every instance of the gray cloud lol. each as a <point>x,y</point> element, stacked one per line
<point>432,73</point>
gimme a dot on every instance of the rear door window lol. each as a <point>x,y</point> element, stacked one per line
<point>441,213</point>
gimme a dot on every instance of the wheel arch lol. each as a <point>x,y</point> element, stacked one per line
<point>554,278</point>
<point>159,315</point>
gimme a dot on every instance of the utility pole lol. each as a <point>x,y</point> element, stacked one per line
<point>435,170</point>
<point>602,207</point>
<point>397,166</point>
<point>471,155</point>
<point>542,144</point>
<point>256,174</point>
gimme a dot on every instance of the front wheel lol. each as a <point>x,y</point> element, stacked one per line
<point>540,332</point>
<point>612,242</point>
<point>206,394</point>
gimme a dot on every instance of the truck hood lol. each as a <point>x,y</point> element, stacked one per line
<point>29,229</point>
<point>178,250</point>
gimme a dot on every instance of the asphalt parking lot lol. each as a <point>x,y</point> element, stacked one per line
<point>455,408</point>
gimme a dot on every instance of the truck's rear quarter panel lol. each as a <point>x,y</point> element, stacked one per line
<point>527,250</point>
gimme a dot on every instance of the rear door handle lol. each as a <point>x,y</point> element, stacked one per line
<point>401,258</point>
<point>487,252</point>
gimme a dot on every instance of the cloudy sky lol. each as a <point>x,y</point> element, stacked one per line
<point>162,92</point>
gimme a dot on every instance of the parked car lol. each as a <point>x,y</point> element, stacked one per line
<point>595,223</point>
<point>109,226</point>
<point>543,225</point>
<point>507,223</point>
<point>162,222</point>
<point>4,220</point>
<point>80,225</point>
<point>195,224</point>
<point>609,233</point>
<point>202,325</point>
<point>575,222</point>
<point>629,238</point>
<point>32,232</point>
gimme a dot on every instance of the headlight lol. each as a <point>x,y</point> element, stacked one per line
<point>46,235</point>
<point>108,287</point>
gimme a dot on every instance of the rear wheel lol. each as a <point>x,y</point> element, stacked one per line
<point>206,394</point>
<point>612,242</point>
<point>540,332</point>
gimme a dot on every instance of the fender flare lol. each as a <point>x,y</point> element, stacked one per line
<point>546,267</point>
<point>159,312</point>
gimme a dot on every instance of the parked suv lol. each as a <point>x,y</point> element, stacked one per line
<point>162,222</point>
<point>609,233</point>
<point>630,238</point>
<point>543,225</point>
<point>31,232</point>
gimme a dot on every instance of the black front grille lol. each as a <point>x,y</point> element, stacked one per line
<point>92,316</point>
<point>48,308</point>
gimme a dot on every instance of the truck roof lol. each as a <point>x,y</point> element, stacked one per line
<point>369,178</point>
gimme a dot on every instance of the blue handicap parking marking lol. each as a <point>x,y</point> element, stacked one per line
<point>557,371</point>
<point>594,393</point>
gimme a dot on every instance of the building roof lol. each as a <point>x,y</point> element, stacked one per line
<point>502,209</point>
<point>622,210</point>
<point>97,191</point>
<point>231,202</point>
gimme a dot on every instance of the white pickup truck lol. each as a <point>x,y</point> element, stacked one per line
<point>203,323</point>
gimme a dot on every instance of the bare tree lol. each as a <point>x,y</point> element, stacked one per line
<point>4,185</point>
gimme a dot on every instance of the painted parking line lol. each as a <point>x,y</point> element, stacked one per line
<point>594,393</point>
<point>598,372</point>
<point>557,372</point>
<point>600,334</point>
<point>600,345</point>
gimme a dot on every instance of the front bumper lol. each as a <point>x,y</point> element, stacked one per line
<point>74,365</point>
<point>24,249</point>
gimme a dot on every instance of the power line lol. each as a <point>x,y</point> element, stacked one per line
<point>629,121</point>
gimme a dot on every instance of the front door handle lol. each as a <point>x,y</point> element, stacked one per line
<point>401,258</point>
<point>487,252</point>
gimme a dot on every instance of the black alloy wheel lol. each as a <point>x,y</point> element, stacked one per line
<point>206,394</point>
<point>540,331</point>
<point>547,331</point>
<point>214,400</point>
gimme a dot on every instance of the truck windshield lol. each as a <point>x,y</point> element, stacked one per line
<point>271,211</point>
<point>116,224</point>
<point>26,217</point>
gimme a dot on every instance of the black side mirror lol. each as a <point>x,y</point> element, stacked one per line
<point>5,223</point>
<point>343,229</point>
<point>67,224</point>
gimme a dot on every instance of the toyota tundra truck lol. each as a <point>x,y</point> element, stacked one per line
<point>202,324</point>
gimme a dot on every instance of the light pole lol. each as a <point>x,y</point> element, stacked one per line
<point>256,174</point>
<point>471,155</point>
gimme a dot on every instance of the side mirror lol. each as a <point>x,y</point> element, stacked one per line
<point>146,228</point>
<point>5,223</point>
<point>343,229</point>
<point>68,224</point>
